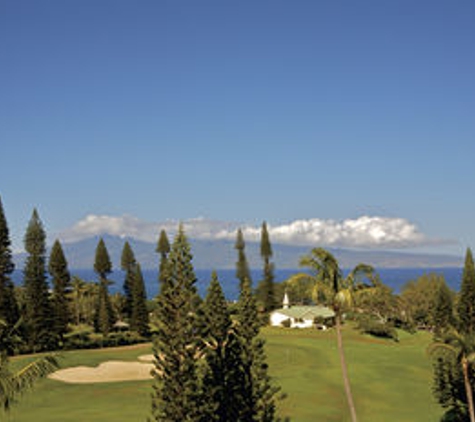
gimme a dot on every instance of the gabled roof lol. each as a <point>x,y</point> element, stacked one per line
<point>307,312</point>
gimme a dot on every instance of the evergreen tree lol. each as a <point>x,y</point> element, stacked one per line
<point>223,376</point>
<point>139,316</point>
<point>242,267</point>
<point>453,374</point>
<point>102,262</point>
<point>104,317</point>
<point>466,305</point>
<point>176,395</point>
<point>61,278</point>
<point>163,248</point>
<point>448,387</point>
<point>265,289</point>
<point>8,304</point>
<point>443,311</point>
<point>257,393</point>
<point>127,264</point>
<point>38,315</point>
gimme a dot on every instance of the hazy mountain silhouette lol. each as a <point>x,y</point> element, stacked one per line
<point>220,254</point>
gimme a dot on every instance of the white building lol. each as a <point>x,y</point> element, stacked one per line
<point>300,316</point>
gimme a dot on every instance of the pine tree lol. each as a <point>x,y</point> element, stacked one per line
<point>448,387</point>
<point>104,317</point>
<point>38,313</point>
<point>266,289</point>
<point>127,264</point>
<point>466,305</point>
<point>139,316</point>
<point>453,374</point>
<point>176,388</point>
<point>443,312</point>
<point>242,267</point>
<point>223,376</point>
<point>163,248</point>
<point>8,304</point>
<point>61,278</point>
<point>257,392</point>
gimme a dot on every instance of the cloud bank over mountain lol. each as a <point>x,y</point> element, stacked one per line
<point>363,232</point>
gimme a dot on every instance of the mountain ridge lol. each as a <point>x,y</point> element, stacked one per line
<point>220,254</point>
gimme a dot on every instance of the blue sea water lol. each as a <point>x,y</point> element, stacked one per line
<point>393,277</point>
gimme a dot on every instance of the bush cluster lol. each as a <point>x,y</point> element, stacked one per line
<point>373,327</point>
<point>90,340</point>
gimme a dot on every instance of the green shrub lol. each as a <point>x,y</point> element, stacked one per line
<point>88,340</point>
<point>368,325</point>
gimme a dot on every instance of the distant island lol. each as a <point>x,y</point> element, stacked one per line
<point>208,254</point>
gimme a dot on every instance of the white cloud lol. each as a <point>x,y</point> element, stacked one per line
<point>129,226</point>
<point>365,231</point>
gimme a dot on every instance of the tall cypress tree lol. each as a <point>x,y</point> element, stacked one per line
<point>139,319</point>
<point>242,267</point>
<point>8,304</point>
<point>257,392</point>
<point>265,289</point>
<point>163,248</point>
<point>38,315</point>
<point>61,279</point>
<point>104,317</point>
<point>176,387</point>
<point>223,374</point>
<point>127,264</point>
<point>466,305</point>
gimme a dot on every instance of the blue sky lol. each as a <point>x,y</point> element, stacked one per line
<point>240,111</point>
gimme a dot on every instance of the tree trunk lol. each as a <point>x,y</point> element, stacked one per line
<point>346,380</point>
<point>468,390</point>
<point>77,310</point>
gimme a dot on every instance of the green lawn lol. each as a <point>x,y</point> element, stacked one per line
<point>390,381</point>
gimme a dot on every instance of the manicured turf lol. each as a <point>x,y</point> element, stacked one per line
<point>390,382</point>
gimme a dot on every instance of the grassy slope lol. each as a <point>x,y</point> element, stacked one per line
<point>390,381</point>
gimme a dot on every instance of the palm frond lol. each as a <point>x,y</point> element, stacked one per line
<point>13,385</point>
<point>437,347</point>
<point>34,371</point>
<point>343,298</point>
<point>360,273</point>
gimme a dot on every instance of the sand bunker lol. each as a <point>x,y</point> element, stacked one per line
<point>146,358</point>
<point>111,371</point>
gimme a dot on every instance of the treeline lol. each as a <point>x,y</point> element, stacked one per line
<point>52,310</point>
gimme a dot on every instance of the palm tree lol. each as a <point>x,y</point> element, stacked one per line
<point>329,276</point>
<point>13,384</point>
<point>462,348</point>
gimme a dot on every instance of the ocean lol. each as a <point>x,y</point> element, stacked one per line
<point>393,277</point>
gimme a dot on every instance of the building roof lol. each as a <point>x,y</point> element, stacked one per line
<point>307,312</point>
